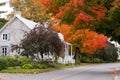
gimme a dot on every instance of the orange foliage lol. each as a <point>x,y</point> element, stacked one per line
<point>99,41</point>
<point>78,9</point>
<point>77,3</point>
<point>60,14</point>
<point>82,17</point>
<point>88,41</point>
<point>45,2</point>
<point>50,5</point>
<point>100,12</point>
<point>117,0</point>
<point>65,30</point>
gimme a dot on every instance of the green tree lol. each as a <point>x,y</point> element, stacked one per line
<point>110,25</point>
<point>2,22</point>
<point>107,54</point>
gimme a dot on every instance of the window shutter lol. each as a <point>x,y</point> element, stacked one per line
<point>8,50</point>
<point>8,37</point>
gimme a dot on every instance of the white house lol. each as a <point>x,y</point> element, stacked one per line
<point>117,45</point>
<point>13,31</point>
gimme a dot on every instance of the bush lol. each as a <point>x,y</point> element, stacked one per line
<point>108,54</point>
<point>3,63</point>
<point>27,66</point>
<point>97,60</point>
<point>17,61</point>
<point>13,61</point>
<point>85,59</point>
<point>111,54</point>
<point>42,66</point>
<point>24,60</point>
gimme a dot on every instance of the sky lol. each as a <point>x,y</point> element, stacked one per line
<point>5,8</point>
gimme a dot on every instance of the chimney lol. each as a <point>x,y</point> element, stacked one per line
<point>17,13</point>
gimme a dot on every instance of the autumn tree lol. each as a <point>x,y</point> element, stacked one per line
<point>88,41</point>
<point>30,9</point>
<point>39,41</point>
<point>84,40</point>
<point>76,12</point>
<point>80,17</point>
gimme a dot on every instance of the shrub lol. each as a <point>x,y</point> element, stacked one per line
<point>85,59</point>
<point>18,61</point>
<point>27,66</point>
<point>108,54</point>
<point>97,60</point>
<point>3,63</point>
<point>24,60</point>
<point>111,54</point>
<point>13,61</point>
<point>42,66</point>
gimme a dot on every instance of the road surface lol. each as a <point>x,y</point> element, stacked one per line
<point>109,71</point>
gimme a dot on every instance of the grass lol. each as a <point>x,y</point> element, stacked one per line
<point>26,70</point>
<point>61,66</point>
<point>58,66</point>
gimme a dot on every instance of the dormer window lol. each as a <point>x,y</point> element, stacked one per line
<point>5,37</point>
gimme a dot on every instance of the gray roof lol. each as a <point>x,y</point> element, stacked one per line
<point>29,23</point>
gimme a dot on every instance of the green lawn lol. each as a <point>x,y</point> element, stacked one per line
<point>26,70</point>
<point>59,66</point>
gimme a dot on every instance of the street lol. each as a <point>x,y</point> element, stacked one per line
<point>109,71</point>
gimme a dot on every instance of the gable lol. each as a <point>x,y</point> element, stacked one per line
<point>15,29</point>
<point>27,23</point>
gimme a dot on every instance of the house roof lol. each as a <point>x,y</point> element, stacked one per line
<point>30,24</point>
<point>61,36</point>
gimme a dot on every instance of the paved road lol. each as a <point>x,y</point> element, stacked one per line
<point>109,71</point>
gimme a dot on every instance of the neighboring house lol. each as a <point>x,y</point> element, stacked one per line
<point>117,45</point>
<point>13,31</point>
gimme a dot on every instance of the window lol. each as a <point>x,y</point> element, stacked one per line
<point>4,50</point>
<point>5,37</point>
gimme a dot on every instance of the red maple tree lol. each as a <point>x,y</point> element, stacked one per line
<point>77,18</point>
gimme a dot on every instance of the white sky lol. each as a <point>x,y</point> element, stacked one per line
<point>5,8</point>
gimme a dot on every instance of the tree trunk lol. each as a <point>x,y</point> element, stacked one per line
<point>77,52</point>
